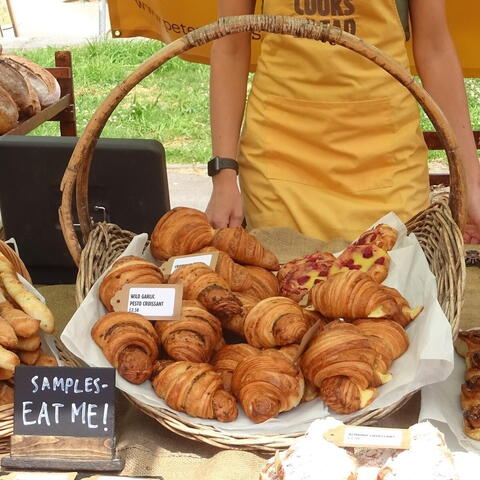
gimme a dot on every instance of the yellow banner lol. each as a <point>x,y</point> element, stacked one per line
<point>168,20</point>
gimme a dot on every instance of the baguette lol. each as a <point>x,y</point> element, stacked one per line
<point>27,301</point>
<point>8,112</point>
<point>43,82</point>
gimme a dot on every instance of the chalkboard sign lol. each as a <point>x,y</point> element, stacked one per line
<point>64,401</point>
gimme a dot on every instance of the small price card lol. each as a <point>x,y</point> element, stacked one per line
<point>209,259</point>
<point>369,437</point>
<point>153,301</point>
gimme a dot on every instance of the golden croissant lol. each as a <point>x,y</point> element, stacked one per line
<point>180,231</point>
<point>340,350</point>
<point>351,295</point>
<point>406,313</point>
<point>129,343</point>
<point>235,323</point>
<point>267,384</point>
<point>127,270</point>
<point>274,322</point>
<point>244,248</point>
<point>227,359</point>
<point>235,275</point>
<point>194,388</point>
<point>203,284</point>
<point>194,337</point>
<point>264,283</point>
<point>344,396</point>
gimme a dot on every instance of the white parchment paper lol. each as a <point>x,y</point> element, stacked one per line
<point>429,358</point>
<point>441,402</point>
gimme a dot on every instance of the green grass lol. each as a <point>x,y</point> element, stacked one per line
<point>170,105</point>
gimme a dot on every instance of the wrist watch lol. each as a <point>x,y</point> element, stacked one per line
<point>219,163</point>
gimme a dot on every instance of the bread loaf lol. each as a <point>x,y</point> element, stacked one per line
<point>20,90</point>
<point>42,81</point>
<point>8,112</point>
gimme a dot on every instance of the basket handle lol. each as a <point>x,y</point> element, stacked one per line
<point>76,174</point>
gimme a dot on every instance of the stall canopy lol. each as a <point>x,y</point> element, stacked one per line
<point>168,20</point>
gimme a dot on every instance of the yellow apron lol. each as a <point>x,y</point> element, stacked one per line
<point>331,142</point>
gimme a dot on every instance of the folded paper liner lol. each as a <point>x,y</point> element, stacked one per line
<point>429,358</point>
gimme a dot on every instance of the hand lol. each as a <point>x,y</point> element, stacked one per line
<point>225,208</point>
<point>471,233</point>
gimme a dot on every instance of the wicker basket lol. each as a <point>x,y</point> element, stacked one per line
<point>437,228</point>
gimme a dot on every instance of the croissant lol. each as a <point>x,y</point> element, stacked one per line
<point>23,325</point>
<point>235,323</point>
<point>127,270</point>
<point>406,313</point>
<point>310,391</point>
<point>274,322</point>
<point>363,258</point>
<point>390,331</point>
<point>343,396</point>
<point>129,342</point>
<point>265,283</point>
<point>298,276</point>
<point>227,359</point>
<point>203,284</point>
<point>193,337</point>
<point>180,231</point>
<point>244,248</point>
<point>235,275</point>
<point>351,295</point>
<point>267,384</point>
<point>382,236</point>
<point>340,349</point>
<point>194,388</point>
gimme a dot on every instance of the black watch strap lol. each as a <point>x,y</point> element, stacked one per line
<point>219,163</point>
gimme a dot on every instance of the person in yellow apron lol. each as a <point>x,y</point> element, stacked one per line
<point>330,141</point>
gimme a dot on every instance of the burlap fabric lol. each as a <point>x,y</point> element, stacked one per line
<point>150,449</point>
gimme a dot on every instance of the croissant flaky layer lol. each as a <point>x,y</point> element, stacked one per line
<point>194,388</point>
<point>203,284</point>
<point>129,343</point>
<point>194,337</point>
<point>264,283</point>
<point>274,322</point>
<point>180,231</point>
<point>244,248</point>
<point>236,276</point>
<point>227,359</point>
<point>127,270</point>
<point>267,384</point>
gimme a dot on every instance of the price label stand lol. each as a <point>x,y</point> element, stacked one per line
<point>64,419</point>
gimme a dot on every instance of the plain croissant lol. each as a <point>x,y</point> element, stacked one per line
<point>275,322</point>
<point>235,275</point>
<point>244,248</point>
<point>129,343</point>
<point>203,284</point>
<point>227,359</point>
<point>194,388</point>
<point>264,283</point>
<point>351,295</point>
<point>267,384</point>
<point>180,231</point>
<point>341,350</point>
<point>235,323</point>
<point>126,270</point>
<point>194,337</point>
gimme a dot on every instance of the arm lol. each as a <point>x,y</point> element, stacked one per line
<point>439,69</point>
<point>230,61</point>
